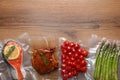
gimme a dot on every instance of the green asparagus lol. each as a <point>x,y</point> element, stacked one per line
<point>106,65</point>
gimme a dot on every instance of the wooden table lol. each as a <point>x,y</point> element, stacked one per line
<point>73,19</point>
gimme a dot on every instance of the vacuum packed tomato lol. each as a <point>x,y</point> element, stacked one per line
<point>73,59</point>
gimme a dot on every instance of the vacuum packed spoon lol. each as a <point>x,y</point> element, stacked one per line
<point>13,53</point>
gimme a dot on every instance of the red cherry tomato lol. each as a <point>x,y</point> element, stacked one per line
<point>66,43</point>
<point>85,53</point>
<point>63,66</point>
<point>70,75</point>
<point>78,61</point>
<point>63,56</point>
<point>73,50</point>
<point>81,57</point>
<point>72,58</point>
<point>69,48</point>
<point>73,64</point>
<point>83,69</point>
<point>79,51</point>
<point>72,44</point>
<point>65,76</point>
<point>83,63</point>
<point>64,51</point>
<point>64,71</point>
<point>63,61</point>
<point>77,46</point>
<point>75,72</point>
<point>76,56</point>
<point>63,46</point>
<point>68,62</point>
<point>78,67</point>
<point>68,68</point>
<point>70,54</point>
<point>67,57</point>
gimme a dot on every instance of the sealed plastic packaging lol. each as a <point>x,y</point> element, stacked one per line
<point>43,46</point>
<point>15,61</point>
<point>72,59</point>
<point>103,60</point>
<point>44,52</point>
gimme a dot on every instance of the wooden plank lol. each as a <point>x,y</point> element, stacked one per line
<point>52,13</point>
<point>73,32</point>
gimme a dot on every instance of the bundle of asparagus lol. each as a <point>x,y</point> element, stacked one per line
<point>106,64</point>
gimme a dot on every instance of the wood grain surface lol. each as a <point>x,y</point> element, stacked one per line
<point>73,19</point>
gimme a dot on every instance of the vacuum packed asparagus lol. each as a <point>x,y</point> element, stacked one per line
<point>107,58</point>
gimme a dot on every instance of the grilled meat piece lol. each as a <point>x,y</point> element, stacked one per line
<point>44,61</point>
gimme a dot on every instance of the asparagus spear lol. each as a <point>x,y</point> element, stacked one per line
<point>108,63</point>
<point>98,61</point>
<point>115,64</point>
<point>104,62</point>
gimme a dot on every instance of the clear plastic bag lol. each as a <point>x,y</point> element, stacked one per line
<point>28,72</point>
<point>95,43</point>
<point>29,43</point>
<point>81,75</point>
<point>44,42</point>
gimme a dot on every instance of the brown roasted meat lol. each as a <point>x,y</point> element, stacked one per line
<point>44,61</point>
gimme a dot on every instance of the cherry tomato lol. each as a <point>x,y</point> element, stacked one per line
<point>68,68</point>
<point>79,51</point>
<point>83,69</point>
<point>66,43</point>
<point>72,58</point>
<point>70,54</point>
<point>63,46</point>
<point>78,61</point>
<point>70,75</point>
<point>83,63</point>
<point>73,50</point>
<point>76,55</point>
<point>64,71</point>
<point>78,67</point>
<point>77,46</point>
<point>63,56</point>
<point>72,44</point>
<point>69,62</point>
<point>67,57</point>
<point>63,61</point>
<point>64,51</point>
<point>73,64</point>
<point>75,72</point>
<point>65,76</point>
<point>63,66</point>
<point>85,53</point>
<point>81,57</point>
<point>68,48</point>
